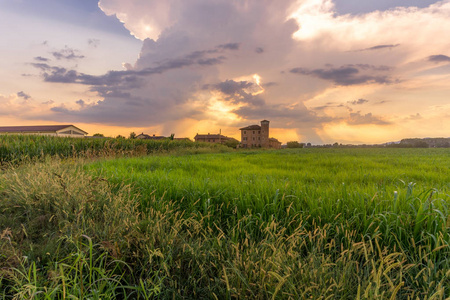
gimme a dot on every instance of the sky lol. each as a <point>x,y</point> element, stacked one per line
<point>321,71</point>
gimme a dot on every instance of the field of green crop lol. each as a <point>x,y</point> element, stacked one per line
<point>18,148</point>
<point>288,224</point>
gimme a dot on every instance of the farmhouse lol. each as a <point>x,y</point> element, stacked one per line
<point>52,130</point>
<point>258,136</point>
<point>212,138</point>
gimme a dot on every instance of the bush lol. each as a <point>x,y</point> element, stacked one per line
<point>295,144</point>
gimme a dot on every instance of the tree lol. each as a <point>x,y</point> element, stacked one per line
<point>232,143</point>
<point>98,134</point>
<point>132,135</point>
<point>294,144</point>
<point>120,137</point>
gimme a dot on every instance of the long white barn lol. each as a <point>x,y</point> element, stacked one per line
<point>52,130</point>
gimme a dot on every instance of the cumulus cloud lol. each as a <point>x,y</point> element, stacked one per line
<point>251,60</point>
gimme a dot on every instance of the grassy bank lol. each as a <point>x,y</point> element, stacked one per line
<point>319,223</point>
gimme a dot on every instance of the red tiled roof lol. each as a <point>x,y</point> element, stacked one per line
<point>251,127</point>
<point>38,128</point>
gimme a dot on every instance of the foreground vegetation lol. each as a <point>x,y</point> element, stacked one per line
<point>23,148</point>
<point>292,224</point>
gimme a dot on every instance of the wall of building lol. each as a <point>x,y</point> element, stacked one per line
<point>251,138</point>
<point>265,134</point>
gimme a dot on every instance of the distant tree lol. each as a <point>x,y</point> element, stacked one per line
<point>308,145</point>
<point>420,144</point>
<point>232,143</point>
<point>172,136</point>
<point>132,135</point>
<point>294,144</point>
<point>120,137</point>
<point>99,134</point>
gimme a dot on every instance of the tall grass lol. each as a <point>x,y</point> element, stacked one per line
<point>252,225</point>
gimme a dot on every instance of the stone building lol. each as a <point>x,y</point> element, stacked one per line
<point>256,136</point>
<point>212,138</point>
<point>274,143</point>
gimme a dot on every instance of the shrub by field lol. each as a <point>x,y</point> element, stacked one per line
<point>292,224</point>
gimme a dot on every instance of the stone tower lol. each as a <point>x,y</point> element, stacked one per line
<point>265,134</point>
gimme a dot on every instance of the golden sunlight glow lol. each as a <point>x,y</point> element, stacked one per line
<point>367,133</point>
<point>223,110</point>
<point>257,79</point>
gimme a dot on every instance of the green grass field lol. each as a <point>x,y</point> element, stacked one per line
<point>289,224</point>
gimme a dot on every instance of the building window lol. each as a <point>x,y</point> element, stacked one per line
<point>259,131</point>
<point>214,140</point>
<point>253,138</point>
<point>245,132</point>
<point>253,132</point>
<point>259,138</point>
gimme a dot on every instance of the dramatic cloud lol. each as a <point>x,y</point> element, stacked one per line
<point>349,74</point>
<point>240,92</point>
<point>230,63</point>
<point>439,58</point>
